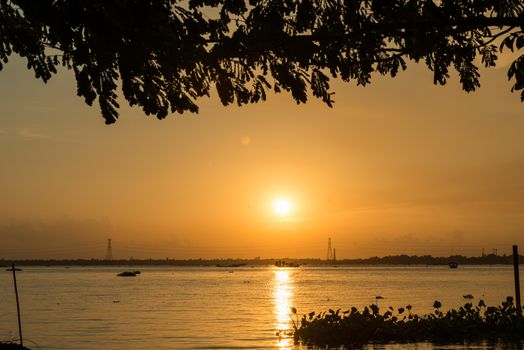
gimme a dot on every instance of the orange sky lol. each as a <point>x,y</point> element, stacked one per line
<point>400,166</point>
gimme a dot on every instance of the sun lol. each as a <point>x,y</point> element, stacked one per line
<point>283,206</point>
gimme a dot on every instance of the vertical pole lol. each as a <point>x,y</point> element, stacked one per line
<point>17,306</point>
<point>517,279</point>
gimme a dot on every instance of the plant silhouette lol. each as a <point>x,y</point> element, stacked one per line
<point>166,54</point>
<point>354,327</point>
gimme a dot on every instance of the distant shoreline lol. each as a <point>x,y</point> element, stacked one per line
<point>393,260</point>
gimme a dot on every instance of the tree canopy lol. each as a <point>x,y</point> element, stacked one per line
<point>166,54</point>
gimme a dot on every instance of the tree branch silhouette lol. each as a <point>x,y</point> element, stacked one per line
<point>165,55</point>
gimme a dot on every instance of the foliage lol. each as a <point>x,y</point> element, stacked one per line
<point>11,346</point>
<point>467,323</point>
<point>166,54</point>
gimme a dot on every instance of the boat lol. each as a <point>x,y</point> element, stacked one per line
<point>230,265</point>
<point>453,265</point>
<point>128,273</point>
<point>282,263</point>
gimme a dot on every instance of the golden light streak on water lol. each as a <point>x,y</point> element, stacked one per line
<point>283,299</point>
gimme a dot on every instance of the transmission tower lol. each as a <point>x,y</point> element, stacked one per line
<point>109,252</point>
<point>329,251</point>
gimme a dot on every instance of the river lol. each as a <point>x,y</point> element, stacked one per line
<point>86,308</point>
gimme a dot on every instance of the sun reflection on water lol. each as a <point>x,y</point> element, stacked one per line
<point>283,298</point>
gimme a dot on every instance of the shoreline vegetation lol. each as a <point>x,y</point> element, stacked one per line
<point>11,346</point>
<point>490,259</point>
<point>352,327</point>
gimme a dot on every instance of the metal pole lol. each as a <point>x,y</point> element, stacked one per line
<point>517,279</point>
<point>17,306</point>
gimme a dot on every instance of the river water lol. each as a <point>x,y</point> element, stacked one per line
<point>86,308</point>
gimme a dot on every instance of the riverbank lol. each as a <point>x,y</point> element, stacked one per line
<point>391,260</point>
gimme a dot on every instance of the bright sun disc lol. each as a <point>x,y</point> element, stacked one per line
<point>283,206</point>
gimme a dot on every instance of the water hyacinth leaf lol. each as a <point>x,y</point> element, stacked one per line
<point>465,323</point>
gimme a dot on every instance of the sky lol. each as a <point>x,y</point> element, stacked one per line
<point>400,166</point>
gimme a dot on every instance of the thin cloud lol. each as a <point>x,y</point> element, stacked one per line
<point>30,133</point>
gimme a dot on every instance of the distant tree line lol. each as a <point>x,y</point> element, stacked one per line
<point>403,259</point>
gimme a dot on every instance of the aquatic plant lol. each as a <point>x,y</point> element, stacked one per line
<point>12,346</point>
<point>354,327</point>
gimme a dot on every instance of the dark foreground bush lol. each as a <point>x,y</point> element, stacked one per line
<point>12,346</point>
<point>468,323</point>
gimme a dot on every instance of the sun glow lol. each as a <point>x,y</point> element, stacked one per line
<point>283,206</point>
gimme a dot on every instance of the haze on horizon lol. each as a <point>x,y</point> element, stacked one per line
<point>399,166</point>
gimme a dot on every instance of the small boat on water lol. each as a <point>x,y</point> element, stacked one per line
<point>282,263</point>
<point>453,265</point>
<point>129,274</point>
<point>230,265</point>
